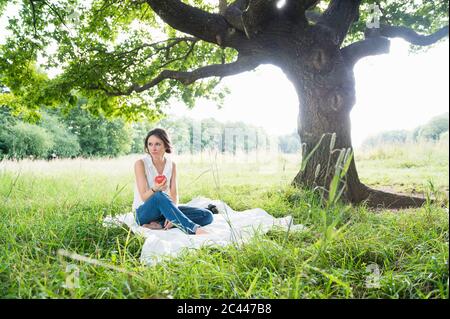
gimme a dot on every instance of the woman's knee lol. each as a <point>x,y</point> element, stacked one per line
<point>157,194</point>
<point>161,196</point>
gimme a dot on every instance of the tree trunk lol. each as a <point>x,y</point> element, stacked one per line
<point>326,91</point>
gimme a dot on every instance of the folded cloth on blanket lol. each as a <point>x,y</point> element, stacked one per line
<point>228,227</point>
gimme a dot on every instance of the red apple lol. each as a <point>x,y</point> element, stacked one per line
<point>160,179</point>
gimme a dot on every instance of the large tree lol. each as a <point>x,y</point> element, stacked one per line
<point>129,57</point>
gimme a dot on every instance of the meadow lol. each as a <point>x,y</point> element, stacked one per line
<point>49,206</point>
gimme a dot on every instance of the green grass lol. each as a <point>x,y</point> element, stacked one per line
<point>45,207</point>
<point>406,168</point>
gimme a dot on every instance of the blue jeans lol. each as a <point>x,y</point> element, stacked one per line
<point>160,207</point>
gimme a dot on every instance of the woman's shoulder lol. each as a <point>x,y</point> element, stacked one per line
<point>139,162</point>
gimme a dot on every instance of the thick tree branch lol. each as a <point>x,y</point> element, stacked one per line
<point>223,5</point>
<point>250,16</point>
<point>257,14</point>
<point>410,35</point>
<point>295,9</point>
<point>201,24</point>
<point>310,4</point>
<point>313,16</point>
<point>370,46</point>
<point>339,16</point>
<point>240,4</point>
<point>233,14</point>
<point>242,64</point>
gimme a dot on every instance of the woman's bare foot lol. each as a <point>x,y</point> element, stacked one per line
<point>152,225</point>
<point>201,231</point>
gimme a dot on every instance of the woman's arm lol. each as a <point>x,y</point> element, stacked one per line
<point>141,181</point>
<point>173,185</point>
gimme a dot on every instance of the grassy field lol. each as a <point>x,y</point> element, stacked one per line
<point>47,206</point>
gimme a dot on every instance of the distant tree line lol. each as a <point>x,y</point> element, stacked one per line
<point>289,143</point>
<point>78,133</point>
<point>192,136</point>
<point>433,130</point>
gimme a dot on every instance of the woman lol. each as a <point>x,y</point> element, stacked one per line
<point>156,202</point>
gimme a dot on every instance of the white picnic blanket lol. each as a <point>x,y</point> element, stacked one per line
<point>228,227</point>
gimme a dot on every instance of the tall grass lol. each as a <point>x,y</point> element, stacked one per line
<point>51,207</point>
<point>408,167</point>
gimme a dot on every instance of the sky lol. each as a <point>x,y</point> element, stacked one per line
<point>394,91</point>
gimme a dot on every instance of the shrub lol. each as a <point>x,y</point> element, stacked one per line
<point>6,121</point>
<point>97,135</point>
<point>434,128</point>
<point>24,140</point>
<point>65,143</point>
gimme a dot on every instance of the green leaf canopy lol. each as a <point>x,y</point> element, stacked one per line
<point>130,58</point>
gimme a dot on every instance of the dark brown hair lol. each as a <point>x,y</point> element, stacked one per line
<point>162,135</point>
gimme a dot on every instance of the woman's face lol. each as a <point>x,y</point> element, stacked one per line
<point>155,146</point>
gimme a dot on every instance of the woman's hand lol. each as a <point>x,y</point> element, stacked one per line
<point>167,224</point>
<point>160,187</point>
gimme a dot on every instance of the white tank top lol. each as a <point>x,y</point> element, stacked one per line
<point>150,174</point>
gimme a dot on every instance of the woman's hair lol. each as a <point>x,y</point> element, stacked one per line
<point>162,135</point>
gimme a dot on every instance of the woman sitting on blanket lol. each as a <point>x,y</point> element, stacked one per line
<point>156,197</point>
